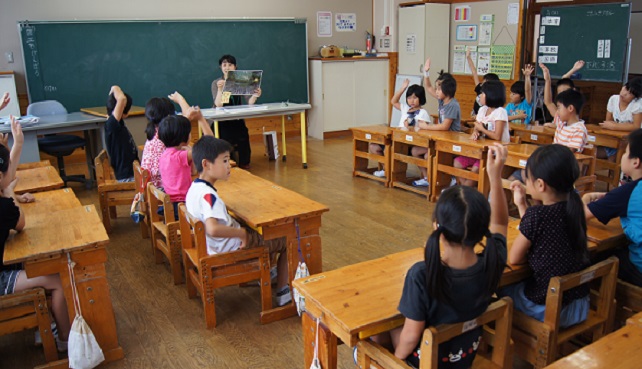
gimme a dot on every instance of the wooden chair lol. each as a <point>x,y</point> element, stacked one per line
<point>111,192</point>
<point>35,164</point>
<point>25,310</point>
<point>362,137</point>
<point>141,178</point>
<point>165,237</point>
<point>500,312</point>
<point>629,300</point>
<point>204,273</point>
<point>538,342</point>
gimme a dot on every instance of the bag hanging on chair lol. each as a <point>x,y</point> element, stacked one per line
<point>83,349</point>
<point>301,272</point>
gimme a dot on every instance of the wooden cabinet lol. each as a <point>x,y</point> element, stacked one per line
<point>347,93</point>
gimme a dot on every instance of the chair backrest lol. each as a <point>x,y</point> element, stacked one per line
<point>141,177</point>
<point>47,107</point>
<point>601,309</point>
<point>103,168</point>
<point>192,231</point>
<point>156,197</point>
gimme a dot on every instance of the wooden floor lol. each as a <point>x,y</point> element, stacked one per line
<point>159,327</point>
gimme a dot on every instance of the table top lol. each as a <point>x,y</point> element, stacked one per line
<point>256,110</point>
<point>532,128</point>
<point>354,299</point>
<point>101,111</point>
<point>53,232</point>
<point>259,202</point>
<point>462,138</point>
<point>379,128</point>
<point>526,150</point>
<point>618,350</point>
<point>598,130</point>
<point>55,121</point>
<point>46,201</point>
<point>38,179</point>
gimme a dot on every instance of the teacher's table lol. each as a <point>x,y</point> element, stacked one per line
<point>91,126</point>
<point>360,300</point>
<point>276,212</point>
<point>49,239</point>
<point>38,179</point>
<point>263,110</point>
<point>618,350</point>
<point>529,133</point>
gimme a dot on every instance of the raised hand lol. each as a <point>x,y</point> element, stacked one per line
<point>528,70</point>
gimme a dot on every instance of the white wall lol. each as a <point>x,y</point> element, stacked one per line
<point>12,11</point>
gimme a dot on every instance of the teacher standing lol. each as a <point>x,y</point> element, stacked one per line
<point>233,131</point>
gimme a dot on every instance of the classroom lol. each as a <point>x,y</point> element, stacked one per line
<point>334,176</point>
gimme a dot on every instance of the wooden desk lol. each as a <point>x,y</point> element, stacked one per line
<point>613,139</point>
<point>449,145</point>
<point>529,133</point>
<point>38,179</point>
<point>51,201</point>
<point>362,137</point>
<point>618,350</point>
<point>264,110</point>
<point>275,212</point>
<point>402,143</point>
<point>519,154</point>
<point>49,238</point>
<point>101,111</point>
<point>360,300</point>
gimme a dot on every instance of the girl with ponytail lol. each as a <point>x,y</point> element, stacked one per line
<point>552,237</point>
<point>454,284</point>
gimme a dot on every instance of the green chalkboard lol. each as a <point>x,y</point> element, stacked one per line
<point>597,34</point>
<point>77,62</point>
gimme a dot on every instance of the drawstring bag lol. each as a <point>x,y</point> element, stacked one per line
<point>137,212</point>
<point>301,272</point>
<point>83,349</point>
<point>315,360</point>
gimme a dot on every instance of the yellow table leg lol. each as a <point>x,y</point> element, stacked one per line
<point>304,154</point>
<point>216,129</point>
<point>285,150</point>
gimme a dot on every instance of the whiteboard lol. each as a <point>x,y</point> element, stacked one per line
<point>8,84</point>
<point>414,80</point>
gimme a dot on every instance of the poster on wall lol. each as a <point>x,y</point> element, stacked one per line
<point>483,60</point>
<point>324,24</point>
<point>467,32</point>
<point>473,56</point>
<point>462,13</point>
<point>485,33</point>
<point>502,60</point>
<point>345,22</point>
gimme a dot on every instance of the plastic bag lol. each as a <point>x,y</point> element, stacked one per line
<point>301,272</point>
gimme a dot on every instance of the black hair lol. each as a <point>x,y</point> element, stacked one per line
<point>634,86</point>
<point>208,148</point>
<point>448,87</point>
<point>173,130</point>
<point>495,92</point>
<point>463,217</point>
<point>518,88</point>
<point>635,144</point>
<point>565,82</point>
<point>5,155</point>
<point>111,104</point>
<point>227,58</point>
<point>490,77</point>
<point>557,167</point>
<point>417,91</point>
<point>156,109</point>
<point>571,97</point>
<point>443,75</point>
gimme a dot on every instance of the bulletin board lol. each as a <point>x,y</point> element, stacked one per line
<point>490,30</point>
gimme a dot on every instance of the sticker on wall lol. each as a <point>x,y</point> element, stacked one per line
<point>543,49</point>
<point>345,22</point>
<point>411,43</point>
<point>548,59</point>
<point>462,13</point>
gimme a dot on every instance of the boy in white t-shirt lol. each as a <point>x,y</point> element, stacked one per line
<point>211,157</point>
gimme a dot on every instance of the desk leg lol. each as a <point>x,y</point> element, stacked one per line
<point>285,150</point>
<point>327,343</point>
<point>216,129</point>
<point>90,153</point>
<point>304,152</point>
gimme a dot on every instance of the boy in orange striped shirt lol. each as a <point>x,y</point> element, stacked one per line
<point>570,130</point>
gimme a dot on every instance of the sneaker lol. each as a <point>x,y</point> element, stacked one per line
<point>379,173</point>
<point>355,356</point>
<point>38,339</point>
<point>453,182</point>
<point>423,182</point>
<point>61,345</point>
<point>283,297</point>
